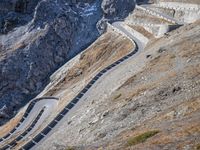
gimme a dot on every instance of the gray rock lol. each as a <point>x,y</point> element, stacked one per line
<point>39,36</point>
<point>117,9</point>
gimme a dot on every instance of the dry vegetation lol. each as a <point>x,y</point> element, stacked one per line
<point>9,126</point>
<point>144,17</point>
<point>108,48</point>
<point>167,90</point>
<point>171,77</point>
<point>140,29</point>
<point>141,138</point>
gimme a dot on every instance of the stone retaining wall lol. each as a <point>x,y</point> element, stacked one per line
<point>179,6</point>
<point>156,29</point>
<point>137,34</point>
<point>155,14</point>
<point>109,26</point>
<point>183,13</point>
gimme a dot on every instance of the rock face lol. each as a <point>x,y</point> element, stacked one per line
<point>37,37</point>
<point>113,8</point>
<point>113,11</point>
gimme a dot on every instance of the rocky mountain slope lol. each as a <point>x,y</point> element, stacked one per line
<point>149,101</point>
<point>37,37</point>
<point>155,92</point>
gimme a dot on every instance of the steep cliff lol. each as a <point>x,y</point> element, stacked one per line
<point>37,37</point>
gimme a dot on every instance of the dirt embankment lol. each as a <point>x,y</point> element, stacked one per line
<point>167,95</point>
<point>110,47</point>
<point>157,107</point>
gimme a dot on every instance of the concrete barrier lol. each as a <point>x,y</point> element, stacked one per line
<point>157,29</point>
<point>151,28</point>
<point>47,97</point>
<point>109,26</point>
<point>191,12</point>
<point>137,34</point>
<point>143,24</point>
<point>154,13</point>
<point>191,17</point>
<point>179,6</point>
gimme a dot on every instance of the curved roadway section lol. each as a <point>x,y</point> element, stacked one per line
<point>35,107</point>
<point>40,108</point>
<point>138,46</point>
<point>34,115</point>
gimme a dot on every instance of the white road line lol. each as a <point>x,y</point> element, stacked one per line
<point>86,88</point>
<point>62,115</point>
<point>42,134</point>
<point>77,98</point>
<point>34,142</point>
<point>9,145</point>
<point>66,108</point>
<point>49,127</point>
<point>72,103</point>
<point>9,134</point>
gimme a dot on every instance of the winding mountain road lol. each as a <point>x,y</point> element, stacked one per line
<point>138,42</point>
<point>42,108</point>
<point>34,116</point>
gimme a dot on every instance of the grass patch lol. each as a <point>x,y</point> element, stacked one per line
<point>198,147</point>
<point>141,138</point>
<point>117,96</point>
<point>172,56</point>
<point>70,148</point>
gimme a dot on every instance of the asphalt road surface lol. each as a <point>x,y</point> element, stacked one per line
<point>42,108</point>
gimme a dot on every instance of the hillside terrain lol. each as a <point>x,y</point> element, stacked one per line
<point>37,37</point>
<point>149,98</point>
<point>162,94</point>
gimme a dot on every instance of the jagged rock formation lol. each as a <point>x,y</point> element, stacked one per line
<point>37,37</point>
<point>113,8</point>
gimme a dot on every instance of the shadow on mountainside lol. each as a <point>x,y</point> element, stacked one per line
<point>37,37</point>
